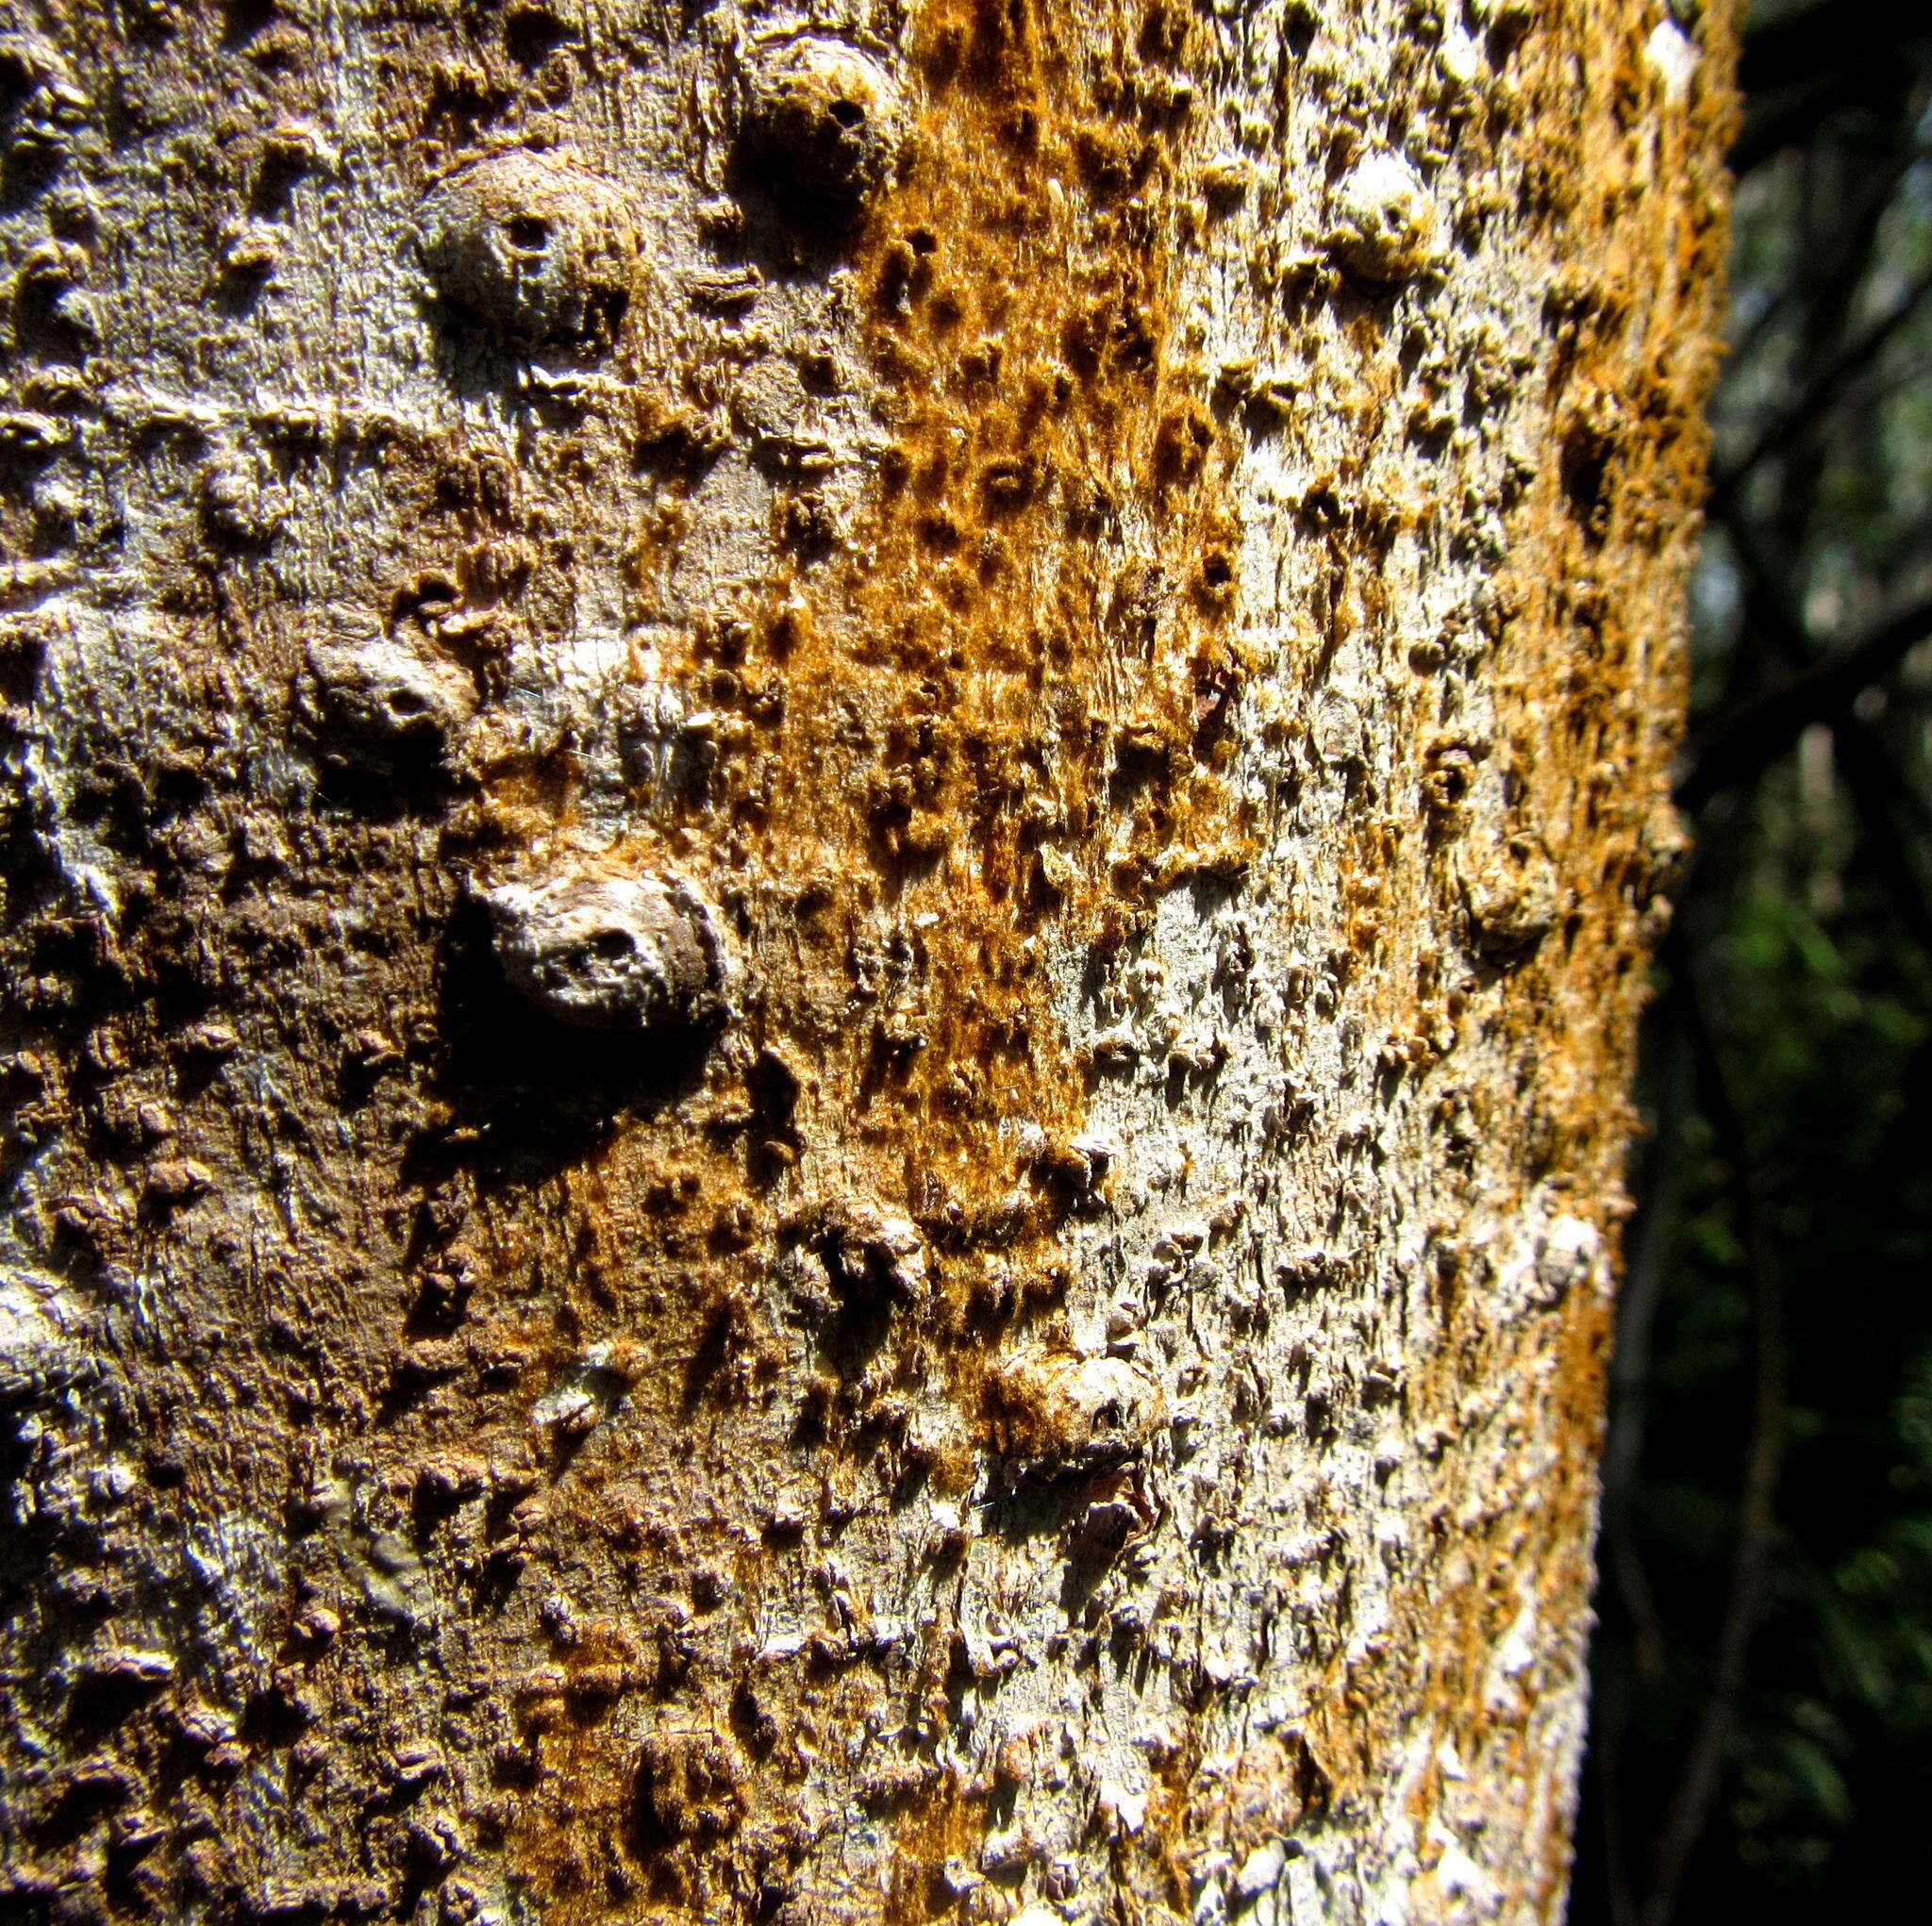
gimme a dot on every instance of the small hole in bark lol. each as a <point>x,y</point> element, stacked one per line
<point>532,34</point>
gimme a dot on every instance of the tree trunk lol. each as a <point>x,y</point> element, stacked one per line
<point>830,852</point>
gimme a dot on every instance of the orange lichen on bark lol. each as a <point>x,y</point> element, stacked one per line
<point>1589,669</point>
<point>1011,634</point>
<point>601,1370</point>
<point>1027,617</point>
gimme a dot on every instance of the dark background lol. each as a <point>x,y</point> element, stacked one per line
<point>1761,1718</point>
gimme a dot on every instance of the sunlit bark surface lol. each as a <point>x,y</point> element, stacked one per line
<point>831,842</point>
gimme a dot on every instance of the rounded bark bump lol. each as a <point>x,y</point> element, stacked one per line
<point>606,952</point>
<point>538,250</point>
<point>1385,219</point>
<point>382,702</point>
<point>818,128</point>
<point>1513,901</point>
<point>872,1255</point>
<point>1058,1413</point>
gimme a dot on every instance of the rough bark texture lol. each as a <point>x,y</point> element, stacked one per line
<point>830,851</point>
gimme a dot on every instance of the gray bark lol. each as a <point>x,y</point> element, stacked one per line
<point>831,845</point>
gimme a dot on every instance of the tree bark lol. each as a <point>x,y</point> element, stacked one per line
<point>830,849</point>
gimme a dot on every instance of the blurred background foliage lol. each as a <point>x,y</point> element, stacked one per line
<point>1761,1724</point>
